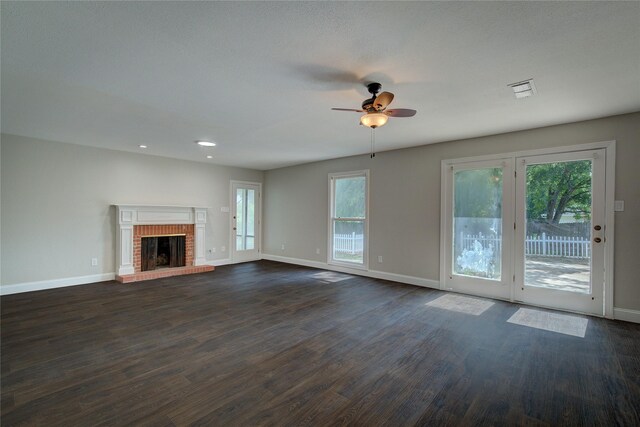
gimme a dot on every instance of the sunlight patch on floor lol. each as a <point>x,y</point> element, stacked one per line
<point>554,322</point>
<point>331,276</point>
<point>461,304</point>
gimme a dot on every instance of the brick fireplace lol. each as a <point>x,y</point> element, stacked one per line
<point>142,231</point>
<point>138,222</point>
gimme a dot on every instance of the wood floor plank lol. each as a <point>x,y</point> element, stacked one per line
<point>266,343</point>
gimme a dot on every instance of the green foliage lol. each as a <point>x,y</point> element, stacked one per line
<point>350,197</point>
<point>554,189</point>
<point>478,193</point>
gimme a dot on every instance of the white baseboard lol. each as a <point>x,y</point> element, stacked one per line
<point>401,278</point>
<point>17,288</point>
<point>218,262</point>
<point>411,280</point>
<point>300,261</point>
<point>626,314</point>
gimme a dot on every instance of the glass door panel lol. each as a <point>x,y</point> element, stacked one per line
<point>245,219</point>
<point>558,226</point>
<point>477,223</point>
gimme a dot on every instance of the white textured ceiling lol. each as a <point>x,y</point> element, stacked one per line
<point>260,78</point>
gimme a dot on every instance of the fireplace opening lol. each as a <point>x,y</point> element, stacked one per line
<point>162,252</point>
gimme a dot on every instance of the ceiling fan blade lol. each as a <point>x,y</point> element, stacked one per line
<point>348,109</point>
<point>400,112</point>
<point>382,100</point>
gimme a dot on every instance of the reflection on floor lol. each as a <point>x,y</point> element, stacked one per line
<point>554,322</point>
<point>331,276</point>
<point>565,274</point>
<point>461,304</point>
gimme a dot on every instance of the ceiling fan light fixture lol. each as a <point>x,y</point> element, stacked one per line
<point>374,120</point>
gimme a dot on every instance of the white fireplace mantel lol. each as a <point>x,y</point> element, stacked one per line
<point>130,215</point>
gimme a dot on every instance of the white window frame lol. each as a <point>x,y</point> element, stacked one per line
<point>332,179</point>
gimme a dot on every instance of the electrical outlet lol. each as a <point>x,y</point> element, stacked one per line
<point>379,258</point>
<point>282,247</point>
<point>212,250</point>
<point>94,262</point>
<point>223,248</point>
<point>317,251</point>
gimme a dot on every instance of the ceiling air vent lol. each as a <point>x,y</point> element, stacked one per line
<point>523,89</point>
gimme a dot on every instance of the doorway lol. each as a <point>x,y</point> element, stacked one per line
<point>245,221</point>
<point>530,227</point>
<point>560,214</point>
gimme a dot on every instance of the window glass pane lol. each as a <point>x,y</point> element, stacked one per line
<point>350,197</point>
<point>348,241</point>
<point>477,223</point>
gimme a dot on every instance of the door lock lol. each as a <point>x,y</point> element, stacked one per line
<point>597,228</point>
<point>597,240</point>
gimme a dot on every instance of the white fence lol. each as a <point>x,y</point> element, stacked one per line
<point>543,245</point>
<point>348,243</point>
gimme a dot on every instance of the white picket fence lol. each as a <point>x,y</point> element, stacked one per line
<point>543,245</point>
<point>348,243</point>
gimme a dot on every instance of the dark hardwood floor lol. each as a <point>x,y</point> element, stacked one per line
<point>267,343</point>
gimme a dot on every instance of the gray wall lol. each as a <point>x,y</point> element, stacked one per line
<point>405,199</point>
<point>57,201</point>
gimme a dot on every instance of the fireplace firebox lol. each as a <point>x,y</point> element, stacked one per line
<point>158,252</point>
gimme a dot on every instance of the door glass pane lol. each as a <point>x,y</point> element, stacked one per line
<point>250,220</point>
<point>558,226</point>
<point>240,223</point>
<point>477,223</point>
<point>348,241</point>
<point>350,197</point>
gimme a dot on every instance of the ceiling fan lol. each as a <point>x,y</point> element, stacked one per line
<point>375,108</point>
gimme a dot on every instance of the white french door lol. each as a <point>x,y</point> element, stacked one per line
<point>560,218</point>
<point>479,223</point>
<point>528,228</point>
<point>245,221</point>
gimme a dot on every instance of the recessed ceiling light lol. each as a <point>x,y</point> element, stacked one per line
<point>206,143</point>
<point>209,157</point>
<point>523,89</point>
<point>142,146</point>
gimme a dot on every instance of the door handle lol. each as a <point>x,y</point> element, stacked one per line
<point>597,240</point>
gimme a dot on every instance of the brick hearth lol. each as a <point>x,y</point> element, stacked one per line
<point>164,272</point>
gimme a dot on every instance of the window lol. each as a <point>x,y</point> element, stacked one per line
<point>348,226</point>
